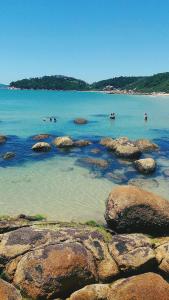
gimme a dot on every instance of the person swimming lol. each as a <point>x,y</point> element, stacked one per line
<point>112,116</point>
<point>145,117</point>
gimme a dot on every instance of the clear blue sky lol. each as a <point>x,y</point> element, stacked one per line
<point>87,39</point>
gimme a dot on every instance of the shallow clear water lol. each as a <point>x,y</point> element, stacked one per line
<point>57,184</point>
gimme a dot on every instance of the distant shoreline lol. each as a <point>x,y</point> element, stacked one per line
<point>112,92</point>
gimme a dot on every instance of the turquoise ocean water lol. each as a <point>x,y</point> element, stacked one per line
<point>57,184</point>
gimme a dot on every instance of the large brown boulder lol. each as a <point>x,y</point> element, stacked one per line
<point>131,209</point>
<point>148,286</point>
<point>145,165</point>
<point>146,145</point>
<point>41,147</point>
<point>63,142</point>
<point>55,271</point>
<point>8,291</point>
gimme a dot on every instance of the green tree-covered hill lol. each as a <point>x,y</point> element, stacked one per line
<point>51,83</point>
<point>143,84</point>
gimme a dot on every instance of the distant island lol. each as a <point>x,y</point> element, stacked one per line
<point>158,83</point>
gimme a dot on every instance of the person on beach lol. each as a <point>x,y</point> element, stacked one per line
<point>112,116</point>
<point>145,117</point>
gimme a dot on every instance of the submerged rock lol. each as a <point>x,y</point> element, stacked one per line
<point>130,209</point>
<point>3,139</point>
<point>42,136</point>
<point>63,142</point>
<point>95,151</point>
<point>8,291</point>
<point>102,163</point>
<point>41,147</point>
<point>148,183</point>
<point>80,121</point>
<point>8,155</point>
<point>82,143</point>
<point>146,165</point>
<point>146,145</point>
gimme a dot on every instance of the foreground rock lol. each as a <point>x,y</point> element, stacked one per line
<point>41,147</point>
<point>80,121</point>
<point>130,209</point>
<point>145,145</point>
<point>146,165</point>
<point>50,260</point>
<point>8,155</point>
<point>3,139</point>
<point>8,291</point>
<point>148,286</point>
<point>63,142</point>
<point>42,136</point>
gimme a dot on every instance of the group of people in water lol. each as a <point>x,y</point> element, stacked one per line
<point>113,116</point>
<point>50,119</point>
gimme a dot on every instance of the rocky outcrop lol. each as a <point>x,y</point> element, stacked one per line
<point>145,165</point>
<point>8,155</point>
<point>49,260</point>
<point>41,147</point>
<point>148,286</point>
<point>3,139</point>
<point>130,209</point>
<point>82,143</point>
<point>63,142</point>
<point>80,121</point>
<point>8,291</point>
<point>42,136</point>
<point>146,145</point>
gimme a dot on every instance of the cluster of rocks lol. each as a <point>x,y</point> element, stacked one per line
<point>121,147</point>
<point>127,260</point>
<point>126,149</point>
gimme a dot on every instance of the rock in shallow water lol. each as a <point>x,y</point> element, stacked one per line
<point>3,139</point>
<point>63,142</point>
<point>41,147</point>
<point>80,121</point>
<point>130,209</point>
<point>146,165</point>
<point>8,155</point>
<point>41,136</point>
<point>146,145</point>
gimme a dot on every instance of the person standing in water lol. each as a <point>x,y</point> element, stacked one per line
<point>145,117</point>
<point>112,116</point>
